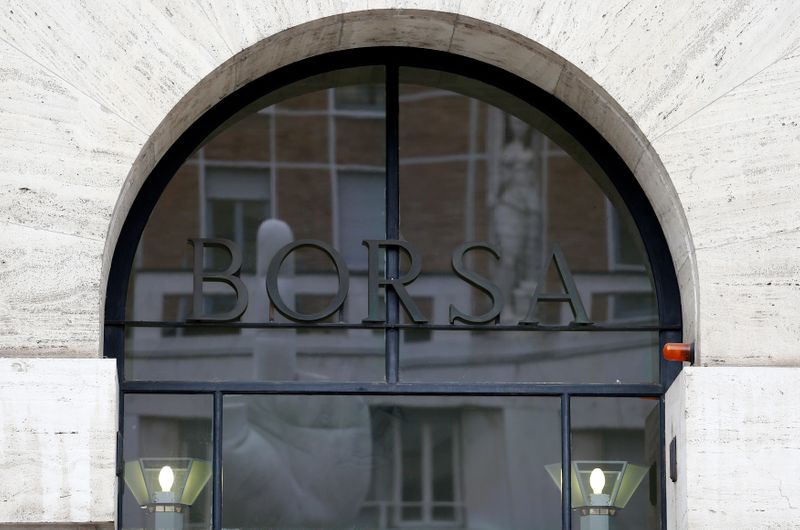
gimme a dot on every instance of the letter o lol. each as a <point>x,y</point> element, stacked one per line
<point>272,280</point>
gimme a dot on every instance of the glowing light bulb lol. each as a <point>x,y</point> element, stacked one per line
<point>165,478</point>
<point>597,480</point>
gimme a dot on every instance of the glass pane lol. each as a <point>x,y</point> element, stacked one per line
<point>201,354</point>
<point>479,165</point>
<point>305,162</point>
<point>503,356</point>
<point>465,462</point>
<point>167,454</point>
<point>620,437</point>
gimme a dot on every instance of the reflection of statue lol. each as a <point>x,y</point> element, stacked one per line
<point>295,461</point>
<point>290,461</point>
<point>275,352</point>
<point>514,200</point>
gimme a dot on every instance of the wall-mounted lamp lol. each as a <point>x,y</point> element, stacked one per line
<point>599,488</point>
<point>165,487</point>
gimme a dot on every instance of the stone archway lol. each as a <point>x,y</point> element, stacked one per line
<point>445,32</point>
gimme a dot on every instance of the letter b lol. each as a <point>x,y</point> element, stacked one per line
<point>229,276</point>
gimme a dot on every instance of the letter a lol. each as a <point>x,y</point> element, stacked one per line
<point>569,295</point>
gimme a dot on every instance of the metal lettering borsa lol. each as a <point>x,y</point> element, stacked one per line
<point>231,276</point>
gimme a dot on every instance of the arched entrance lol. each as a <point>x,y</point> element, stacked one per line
<point>478,270</point>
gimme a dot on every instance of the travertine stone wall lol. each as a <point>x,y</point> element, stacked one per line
<point>738,441</point>
<point>735,164</point>
<point>57,440</point>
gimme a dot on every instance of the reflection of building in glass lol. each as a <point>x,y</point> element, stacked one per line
<point>298,161</point>
<point>468,171</point>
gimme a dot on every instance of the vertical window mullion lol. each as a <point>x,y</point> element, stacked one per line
<point>216,476</point>
<point>566,465</point>
<point>392,217</point>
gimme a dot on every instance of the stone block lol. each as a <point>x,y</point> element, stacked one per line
<point>58,441</point>
<point>738,441</point>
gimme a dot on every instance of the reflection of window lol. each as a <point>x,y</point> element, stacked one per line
<point>237,202</point>
<point>417,469</point>
<point>632,307</point>
<point>361,207</point>
<point>360,97</point>
<point>625,252</point>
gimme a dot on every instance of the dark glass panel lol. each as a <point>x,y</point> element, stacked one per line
<point>443,439</point>
<point>411,464</point>
<point>526,356</point>
<point>195,354</point>
<point>466,462</point>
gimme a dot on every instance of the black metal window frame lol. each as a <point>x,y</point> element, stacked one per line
<point>669,325</point>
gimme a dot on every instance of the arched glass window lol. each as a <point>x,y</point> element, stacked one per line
<point>390,288</point>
